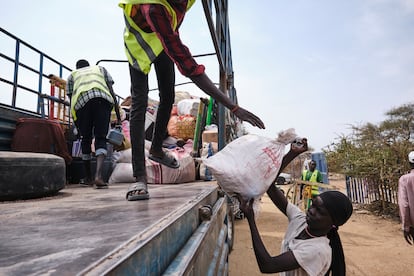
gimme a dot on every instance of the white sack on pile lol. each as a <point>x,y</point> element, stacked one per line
<point>181,95</point>
<point>249,164</point>
<point>188,107</point>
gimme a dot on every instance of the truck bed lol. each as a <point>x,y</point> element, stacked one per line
<point>87,231</point>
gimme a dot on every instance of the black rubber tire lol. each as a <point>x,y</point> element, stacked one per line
<point>25,175</point>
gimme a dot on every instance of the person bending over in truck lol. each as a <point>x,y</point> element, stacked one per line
<point>151,37</point>
<point>311,245</point>
<point>91,94</point>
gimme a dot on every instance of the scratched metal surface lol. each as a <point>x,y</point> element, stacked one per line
<point>64,234</point>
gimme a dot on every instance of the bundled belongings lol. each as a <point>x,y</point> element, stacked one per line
<point>183,119</point>
<point>179,149</point>
<point>208,150</point>
<point>42,136</point>
<point>182,126</point>
<point>188,107</point>
<point>249,165</point>
<point>156,172</point>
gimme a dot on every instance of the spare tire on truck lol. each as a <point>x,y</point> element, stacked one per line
<point>25,175</point>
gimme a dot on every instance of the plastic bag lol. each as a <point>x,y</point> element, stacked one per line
<point>249,164</point>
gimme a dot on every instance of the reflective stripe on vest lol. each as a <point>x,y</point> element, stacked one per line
<point>85,79</point>
<point>313,178</point>
<point>141,48</point>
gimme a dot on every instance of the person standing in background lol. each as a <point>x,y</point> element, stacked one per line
<point>406,201</point>
<point>151,37</point>
<point>311,175</point>
<point>92,99</point>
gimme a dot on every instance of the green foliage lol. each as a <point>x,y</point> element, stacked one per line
<point>378,152</point>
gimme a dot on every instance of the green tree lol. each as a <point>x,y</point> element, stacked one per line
<point>376,151</point>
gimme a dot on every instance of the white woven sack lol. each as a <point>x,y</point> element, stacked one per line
<point>188,107</point>
<point>249,164</point>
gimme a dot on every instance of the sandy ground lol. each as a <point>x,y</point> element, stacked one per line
<point>373,245</point>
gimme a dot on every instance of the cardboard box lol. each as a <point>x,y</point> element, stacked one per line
<point>209,136</point>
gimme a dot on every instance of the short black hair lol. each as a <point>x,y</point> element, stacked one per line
<point>82,63</point>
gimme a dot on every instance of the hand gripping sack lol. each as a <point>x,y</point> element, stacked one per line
<point>249,164</point>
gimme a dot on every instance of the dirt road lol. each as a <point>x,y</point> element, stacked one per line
<point>373,245</point>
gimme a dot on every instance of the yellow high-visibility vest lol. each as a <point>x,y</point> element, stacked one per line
<point>313,178</point>
<point>141,48</point>
<point>85,79</point>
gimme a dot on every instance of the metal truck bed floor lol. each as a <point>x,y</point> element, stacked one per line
<point>65,234</point>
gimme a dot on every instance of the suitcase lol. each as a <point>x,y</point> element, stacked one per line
<point>42,136</point>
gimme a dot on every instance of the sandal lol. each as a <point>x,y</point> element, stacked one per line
<point>137,191</point>
<point>166,160</point>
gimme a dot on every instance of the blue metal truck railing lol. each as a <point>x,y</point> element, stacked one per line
<point>27,81</point>
<point>218,23</point>
<point>39,71</point>
<point>20,86</point>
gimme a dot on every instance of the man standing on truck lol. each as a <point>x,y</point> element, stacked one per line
<point>151,37</point>
<point>91,94</point>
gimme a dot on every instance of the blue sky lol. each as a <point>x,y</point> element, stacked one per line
<point>316,66</point>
